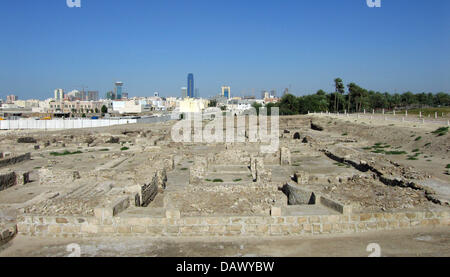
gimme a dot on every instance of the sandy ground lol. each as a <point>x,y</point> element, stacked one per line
<point>430,242</point>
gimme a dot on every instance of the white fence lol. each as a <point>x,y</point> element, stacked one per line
<point>73,123</point>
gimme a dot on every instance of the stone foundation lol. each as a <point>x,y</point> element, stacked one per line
<point>14,160</point>
<point>175,226</point>
<point>7,180</point>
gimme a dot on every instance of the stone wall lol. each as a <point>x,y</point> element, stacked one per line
<point>13,160</point>
<point>7,180</point>
<point>285,156</point>
<point>263,175</point>
<point>174,226</point>
<point>197,172</point>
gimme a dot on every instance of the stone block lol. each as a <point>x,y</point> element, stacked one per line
<point>275,211</point>
<point>173,214</point>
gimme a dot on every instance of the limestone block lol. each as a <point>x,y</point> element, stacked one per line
<point>275,211</point>
<point>285,156</point>
<point>173,214</point>
<point>301,177</point>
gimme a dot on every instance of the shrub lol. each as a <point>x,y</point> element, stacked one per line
<point>395,153</point>
<point>441,131</point>
<point>65,153</point>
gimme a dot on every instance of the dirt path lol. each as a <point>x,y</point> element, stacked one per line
<point>417,242</point>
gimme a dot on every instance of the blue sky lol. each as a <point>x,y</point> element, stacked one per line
<point>151,45</point>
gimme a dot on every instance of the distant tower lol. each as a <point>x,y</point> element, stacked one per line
<point>110,95</point>
<point>59,94</point>
<point>190,85</point>
<point>118,90</point>
<point>273,93</point>
<point>183,92</point>
<point>11,98</point>
<point>226,92</point>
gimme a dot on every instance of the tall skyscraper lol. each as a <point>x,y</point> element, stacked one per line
<point>92,96</point>
<point>110,95</point>
<point>118,90</point>
<point>226,92</point>
<point>11,98</point>
<point>273,93</point>
<point>183,92</point>
<point>190,85</point>
<point>59,94</point>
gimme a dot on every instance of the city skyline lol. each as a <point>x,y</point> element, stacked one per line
<point>399,47</point>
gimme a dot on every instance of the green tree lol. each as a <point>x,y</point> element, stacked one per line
<point>104,109</point>
<point>257,106</point>
<point>339,89</point>
<point>212,103</point>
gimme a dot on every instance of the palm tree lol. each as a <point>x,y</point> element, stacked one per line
<point>339,86</point>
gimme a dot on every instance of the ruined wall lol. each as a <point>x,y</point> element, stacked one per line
<point>198,171</point>
<point>7,180</point>
<point>13,160</point>
<point>285,156</point>
<point>174,226</point>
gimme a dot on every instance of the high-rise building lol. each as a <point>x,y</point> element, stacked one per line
<point>183,92</point>
<point>110,95</point>
<point>190,85</point>
<point>59,94</point>
<point>118,90</point>
<point>196,93</point>
<point>92,96</point>
<point>124,95</point>
<point>226,92</point>
<point>273,93</point>
<point>11,98</point>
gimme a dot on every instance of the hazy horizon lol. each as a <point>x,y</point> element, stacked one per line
<point>247,45</point>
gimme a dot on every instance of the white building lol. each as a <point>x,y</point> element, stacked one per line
<point>190,105</point>
<point>133,107</point>
<point>59,94</point>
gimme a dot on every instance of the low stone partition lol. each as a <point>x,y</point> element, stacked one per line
<point>10,179</point>
<point>14,160</point>
<point>175,226</point>
<point>334,205</point>
<point>7,180</point>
